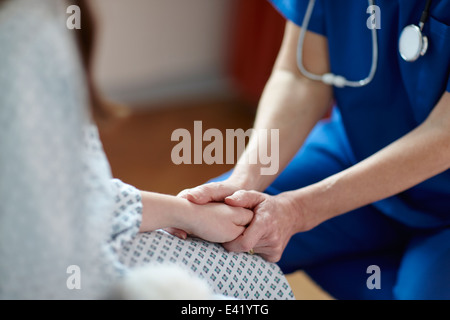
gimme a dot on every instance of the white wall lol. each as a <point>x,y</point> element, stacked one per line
<point>156,49</point>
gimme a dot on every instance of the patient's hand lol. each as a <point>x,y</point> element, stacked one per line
<point>216,222</point>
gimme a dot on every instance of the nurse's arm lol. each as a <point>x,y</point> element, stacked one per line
<point>414,158</point>
<point>291,104</point>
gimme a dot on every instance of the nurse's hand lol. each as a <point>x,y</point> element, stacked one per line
<point>210,192</point>
<point>276,219</point>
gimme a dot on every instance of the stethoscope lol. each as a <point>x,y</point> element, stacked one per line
<point>412,45</point>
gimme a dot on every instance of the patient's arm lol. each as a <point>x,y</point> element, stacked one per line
<point>215,222</point>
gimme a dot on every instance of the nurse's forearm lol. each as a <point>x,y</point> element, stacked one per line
<point>292,106</point>
<point>290,103</point>
<point>418,156</point>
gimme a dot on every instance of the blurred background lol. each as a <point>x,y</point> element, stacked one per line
<point>168,63</point>
<point>153,50</point>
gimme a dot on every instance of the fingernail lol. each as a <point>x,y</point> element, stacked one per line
<point>180,235</point>
<point>192,195</point>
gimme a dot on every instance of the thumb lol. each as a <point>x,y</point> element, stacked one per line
<point>245,199</point>
<point>194,195</point>
<point>210,192</point>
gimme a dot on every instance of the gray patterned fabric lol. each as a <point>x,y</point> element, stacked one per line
<point>236,275</point>
<point>59,205</point>
<point>54,201</point>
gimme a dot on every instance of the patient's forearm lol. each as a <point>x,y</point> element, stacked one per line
<point>162,211</point>
<point>215,222</point>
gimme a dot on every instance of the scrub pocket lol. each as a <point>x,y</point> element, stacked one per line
<point>428,77</point>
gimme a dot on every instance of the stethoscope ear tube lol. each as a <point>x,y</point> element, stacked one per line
<point>330,78</point>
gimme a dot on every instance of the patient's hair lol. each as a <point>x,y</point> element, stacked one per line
<point>86,38</point>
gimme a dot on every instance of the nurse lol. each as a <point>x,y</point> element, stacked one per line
<point>369,185</point>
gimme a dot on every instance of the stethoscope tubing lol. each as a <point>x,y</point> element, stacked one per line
<point>330,78</point>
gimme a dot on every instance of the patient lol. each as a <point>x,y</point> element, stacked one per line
<point>60,207</point>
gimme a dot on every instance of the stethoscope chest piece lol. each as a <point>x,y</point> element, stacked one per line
<point>412,43</point>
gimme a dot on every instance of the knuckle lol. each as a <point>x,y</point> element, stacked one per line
<point>275,239</point>
<point>245,246</point>
<point>217,185</point>
<point>201,190</point>
<point>183,192</point>
<point>240,193</point>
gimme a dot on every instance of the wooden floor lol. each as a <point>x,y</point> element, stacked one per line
<point>139,150</point>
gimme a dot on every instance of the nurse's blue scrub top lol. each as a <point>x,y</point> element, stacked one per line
<point>400,97</point>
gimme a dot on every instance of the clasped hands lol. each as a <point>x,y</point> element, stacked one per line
<point>243,221</point>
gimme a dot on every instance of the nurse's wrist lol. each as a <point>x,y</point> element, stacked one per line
<point>313,205</point>
<point>249,178</point>
<point>299,207</point>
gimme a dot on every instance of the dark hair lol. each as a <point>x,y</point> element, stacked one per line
<point>85,38</point>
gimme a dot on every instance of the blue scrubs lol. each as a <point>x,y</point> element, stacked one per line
<point>408,235</point>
